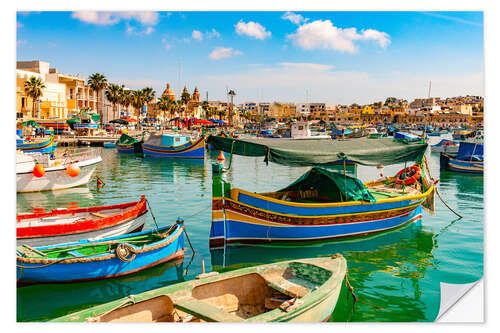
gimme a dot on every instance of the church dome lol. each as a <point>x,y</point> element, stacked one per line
<point>169,92</point>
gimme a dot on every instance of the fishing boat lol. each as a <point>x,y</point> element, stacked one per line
<point>56,173</point>
<point>46,145</point>
<point>65,225</point>
<point>304,290</point>
<point>174,146</point>
<point>445,146</point>
<point>58,124</point>
<point>469,159</point>
<point>462,135</point>
<point>99,259</point>
<point>128,144</point>
<point>321,204</point>
<point>408,137</point>
<point>109,145</point>
<point>301,130</point>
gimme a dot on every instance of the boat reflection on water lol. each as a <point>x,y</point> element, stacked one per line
<point>403,255</point>
<point>39,303</point>
<point>54,199</point>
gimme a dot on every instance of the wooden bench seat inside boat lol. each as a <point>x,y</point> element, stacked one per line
<point>242,296</point>
<point>157,309</point>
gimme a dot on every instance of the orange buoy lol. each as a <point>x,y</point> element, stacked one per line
<point>38,171</point>
<point>221,157</point>
<point>73,170</point>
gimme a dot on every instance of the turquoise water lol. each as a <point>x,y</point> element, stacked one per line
<point>395,275</point>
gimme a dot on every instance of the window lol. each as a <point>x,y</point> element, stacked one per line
<point>23,102</point>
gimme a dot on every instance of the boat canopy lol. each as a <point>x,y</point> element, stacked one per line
<point>332,186</point>
<point>470,151</point>
<point>291,152</point>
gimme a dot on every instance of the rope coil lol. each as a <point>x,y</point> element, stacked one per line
<point>125,252</point>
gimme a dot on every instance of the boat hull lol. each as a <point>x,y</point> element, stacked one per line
<point>194,150</point>
<point>92,268</point>
<point>55,178</point>
<point>248,225</point>
<point>465,166</point>
<point>44,146</point>
<point>132,225</point>
<point>121,148</point>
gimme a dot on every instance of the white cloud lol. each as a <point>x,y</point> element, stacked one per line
<point>110,18</point>
<point>212,34</point>
<point>306,66</point>
<point>198,35</point>
<point>252,29</point>
<point>321,34</point>
<point>223,52</point>
<point>294,18</point>
<point>133,31</point>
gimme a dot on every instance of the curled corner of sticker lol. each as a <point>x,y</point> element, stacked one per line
<point>451,295</point>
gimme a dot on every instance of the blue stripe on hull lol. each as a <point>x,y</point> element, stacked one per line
<point>314,211</point>
<point>196,153</point>
<point>241,231</point>
<point>97,269</point>
<point>125,150</point>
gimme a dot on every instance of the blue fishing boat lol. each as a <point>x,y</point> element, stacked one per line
<point>41,146</point>
<point>321,204</point>
<point>469,159</point>
<point>109,145</point>
<point>174,146</point>
<point>408,137</point>
<point>100,259</point>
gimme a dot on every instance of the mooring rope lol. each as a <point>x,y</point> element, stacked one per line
<point>436,189</point>
<point>151,211</point>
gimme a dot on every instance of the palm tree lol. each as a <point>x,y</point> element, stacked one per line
<point>138,101</point>
<point>33,88</point>
<point>149,95</point>
<point>113,94</point>
<point>206,107</point>
<point>97,83</point>
<point>163,104</point>
<point>125,98</point>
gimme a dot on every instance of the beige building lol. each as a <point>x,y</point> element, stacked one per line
<point>63,96</point>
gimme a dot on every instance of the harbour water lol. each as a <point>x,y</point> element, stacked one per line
<point>395,275</point>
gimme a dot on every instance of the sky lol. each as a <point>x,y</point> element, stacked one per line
<point>336,57</point>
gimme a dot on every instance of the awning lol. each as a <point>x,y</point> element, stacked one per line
<point>291,152</point>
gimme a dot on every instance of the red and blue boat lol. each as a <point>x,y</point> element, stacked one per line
<point>321,204</point>
<point>100,259</point>
<point>174,146</point>
<point>41,146</point>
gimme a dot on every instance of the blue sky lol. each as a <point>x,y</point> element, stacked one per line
<point>337,57</point>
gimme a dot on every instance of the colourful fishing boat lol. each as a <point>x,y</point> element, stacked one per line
<point>174,146</point>
<point>66,225</point>
<point>470,159</point>
<point>99,259</point>
<point>128,144</point>
<point>304,290</point>
<point>321,204</point>
<point>59,125</point>
<point>41,146</point>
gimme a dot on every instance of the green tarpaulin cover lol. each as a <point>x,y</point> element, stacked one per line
<point>335,186</point>
<point>126,140</point>
<point>385,151</point>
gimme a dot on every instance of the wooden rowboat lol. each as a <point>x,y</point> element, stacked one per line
<point>65,225</point>
<point>305,290</point>
<point>100,259</point>
<point>174,146</point>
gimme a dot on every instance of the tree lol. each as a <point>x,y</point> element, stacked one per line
<point>33,88</point>
<point>113,94</point>
<point>149,95</point>
<point>125,98</point>
<point>138,101</point>
<point>164,104</point>
<point>206,108</point>
<point>97,83</point>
